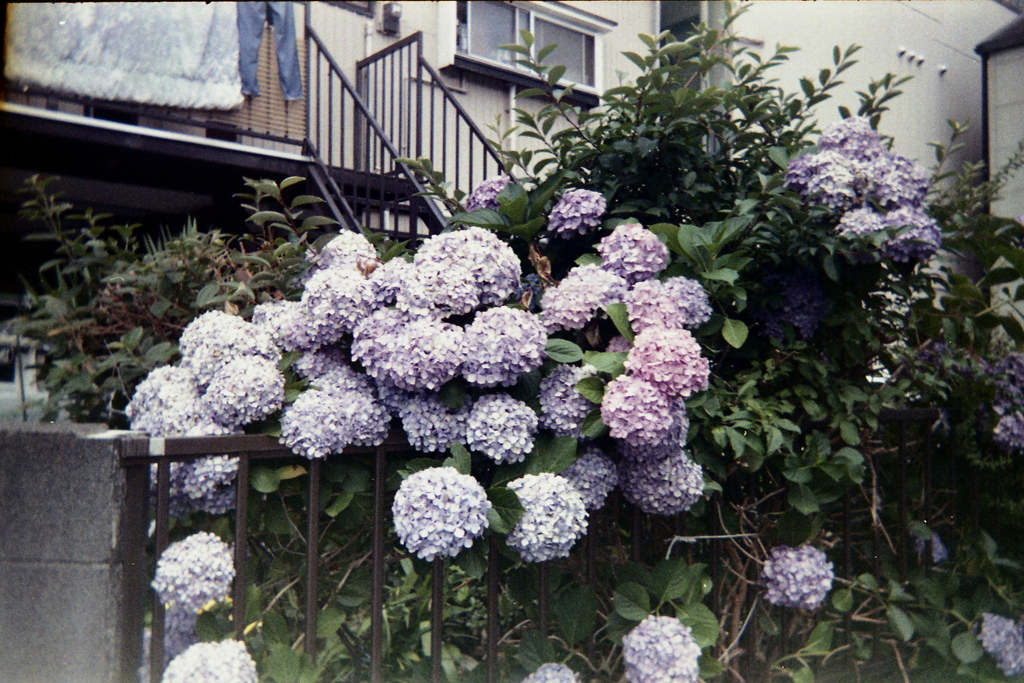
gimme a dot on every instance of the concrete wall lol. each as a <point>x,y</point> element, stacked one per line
<point>60,545</point>
<point>1006,123</point>
<point>944,33</point>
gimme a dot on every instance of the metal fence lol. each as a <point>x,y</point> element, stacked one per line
<point>911,474</point>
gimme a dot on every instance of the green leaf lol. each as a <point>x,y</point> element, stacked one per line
<point>453,395</point>
<point>505,509</point>
<point>804,675</point>
<point>341,501</point>
<point>576,612</point>
<point>620,317</point>
<point>461,460</point>
<point>551,454</point>
<point>264,479</point>
<point>849,433</point>
<point>329,621</point>
<point>264,216</point>
<point>632,601</point>
<point>563,351</point>
<point>702,622</point>
<point>900,622</point>
<point>589,260</point>
<point>803,499</point>
<point>535,649</point>
<point>842,600</point>
<point>676,580</point>
<point>592,389</point>
<point>290,180</point>
<point>316,222</point>
<point>734,332</point>
<point>593,426</point>
<point>820,640</point>
<point>966,648</point>
<point>779,156</point>
<point>609,362</point>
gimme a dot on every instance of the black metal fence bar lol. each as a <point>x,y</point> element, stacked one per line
<point>436,619</point>
<point>377,598</point>
<point>241,548</point>
<point>312,555</point>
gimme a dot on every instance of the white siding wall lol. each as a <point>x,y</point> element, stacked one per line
<point>1006,122</point>
<point>945,33</point>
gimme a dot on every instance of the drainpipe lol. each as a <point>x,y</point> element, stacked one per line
<point>368,39</point>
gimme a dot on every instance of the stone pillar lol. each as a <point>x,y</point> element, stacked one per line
<point>63,539</point>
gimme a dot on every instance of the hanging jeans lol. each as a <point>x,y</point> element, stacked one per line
<point>251,18</point>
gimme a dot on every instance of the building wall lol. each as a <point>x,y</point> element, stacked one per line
<point>943,33</point>
<point>1006,122</point>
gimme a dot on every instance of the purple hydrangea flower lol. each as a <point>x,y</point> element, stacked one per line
<point>633,252</point>
<point>313,364</point>
<point>671,445</point>
<point>422,353</point>
<point>676,303</point>
<point>348,251</point>
<point>662,486</point>
<point>485,195</point>
<point>1009,432</point>
<point>438,288</point>
<point>314,425</point>
<point>335,301</point>
<point>898,181</point>
<point>797,299</point>
<point>852,137</point>
<point>797,577</point>
<point>393,398</point>
<point>215,338</point>
<point>431,426</point>
<point>554,517</point>
<point>920,242</point>
<point>389,278</point>
<point>827,177</point>
<point>179,632</point>
<point>939,552</point>
<point>1009,373</point>
<point>439,512</point>
<point>167,403</point>
<point>857,222</point>
<point>577,212</point>
<point>552,673</point>
<point>636,411</point>
<point>227,660</point>
<point>209,483</point>
<point>501,427</point>
<point>244,390</point>
<point>494,268</point>
<point>593,475</point>
<point>670,360</point>
<point>661,650</point>
<point>576,299</point>
<point>618,344</point>
<point>1004,641</point>
<point>194,571</point>
<point>286,322</point>
<point>364,420</point>
<point>501,344</point>
<point>562,406</point>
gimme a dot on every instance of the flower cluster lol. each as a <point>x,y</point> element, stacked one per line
<point>552,673</point>
<point>334,301</point>
<point>501,427</point>
<point>633,252</point>
<point>439,512</point>
<point>670,360</point>
<point>347,251</point>
<point>1009,432</point>
<point>921,239</point>
<point>1004,641</point>
<point>553,520</point>
<point>939,552</point>
<point>562,406</point>
<point>212,663</point>
<point>576,299</point>
<point>797,299</point>
<point>676,303</point>
<point>661,650</point>
<point>312,426</point>
<point>422,353</point>
<point>501,344</point>
<point>167,403</point>
<point>797,577</point>
<point>485,195</point>
<point>662,486</point>
<point>593,475</point>
<point>577,212</point>
<point>493,267</point>
<point>215,338</point>
<point>208,483</point>
<point>286,323</point>
<point>194,571</point>
<point>430,425</point>
<point>244,390</point>
<point>635,410</point>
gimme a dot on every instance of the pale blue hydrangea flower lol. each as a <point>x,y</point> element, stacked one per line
<point>365,420</point>
<point>795,298</point>
<point>194,571</point>
<point>315,363</point>
<point>1004,641</point>
<point>335,301</point>
<point>920,242</point>
<point>594,475</point>
<point>431,426</point>
<point>501,427</point>
<point>342,378</point>
<point>577,212</point>
<point>552,673</point>
<point>179,631</point>
<point>797,577</point>
<point>501,344</point>
<point>1009,432</point>
<point>635,410</point>
<point>562,406</point>
<point>618,344</point>
<point>671,360</point>
<point>827,177</point>
<point>314,425</point>
<point>494,267</point>
<point>852,137</point>
<point>661,650</point>
<point>678,302</point>
<point>209,483</point>
<point>898,181</point>
<point>226,661</point>
<point>862,221</point>
<point>577,298</point>
<point>389,278</point>
<point>416,354</point>
<point>348,251</point>
<point>215,338</point>
<point>554,517</point>
<point>167,403</point>
<point>662,486</point>
<point>286,322</point>
<point>394,399</point>
<point>632,252</point>
<point>244,390</point>
<point>485,195</point>
<point>438,288</point>
<point>439,511</point>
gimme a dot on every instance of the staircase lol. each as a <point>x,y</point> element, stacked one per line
<point>357,135</point>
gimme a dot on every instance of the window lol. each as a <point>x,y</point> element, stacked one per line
<point>484,26</point>
<point>364,7</point>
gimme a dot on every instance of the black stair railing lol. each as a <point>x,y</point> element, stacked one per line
<point>354,164</point>
<point>421,115</point>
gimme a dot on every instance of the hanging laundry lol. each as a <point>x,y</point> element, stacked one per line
<point>252,16</point>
